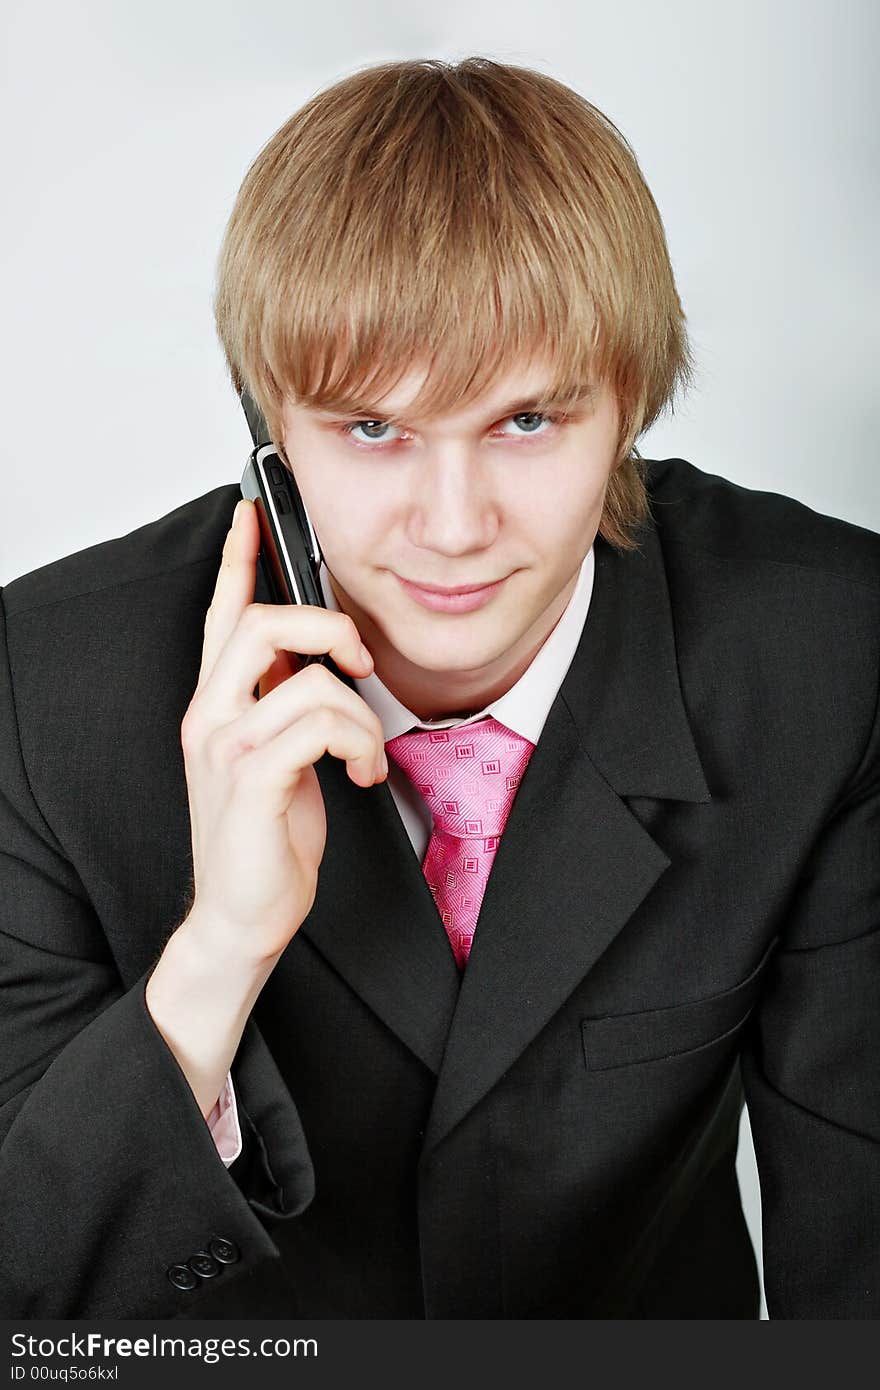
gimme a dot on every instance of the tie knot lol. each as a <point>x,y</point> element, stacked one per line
<point>468,775</point>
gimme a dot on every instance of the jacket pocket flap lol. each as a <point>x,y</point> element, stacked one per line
<point>619,1040</point>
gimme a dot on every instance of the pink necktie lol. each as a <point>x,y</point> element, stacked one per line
<point>469,777</point>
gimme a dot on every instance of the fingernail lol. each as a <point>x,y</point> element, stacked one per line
<point>384,764</point>
<point>365,655</point>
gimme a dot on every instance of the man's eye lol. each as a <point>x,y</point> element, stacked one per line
<point>528,422</point>
<point>374,430</point>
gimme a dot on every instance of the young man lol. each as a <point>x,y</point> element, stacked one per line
<point>429,983</point>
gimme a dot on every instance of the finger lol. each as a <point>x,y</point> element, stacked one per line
<point>234,586</point>
<point>311,689</point>
<point>264,630</point>
<point>267,777</point>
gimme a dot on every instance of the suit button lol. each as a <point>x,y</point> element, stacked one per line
<point>226,1251</point>
<point>203,1265</point>
<point>181,1277</point>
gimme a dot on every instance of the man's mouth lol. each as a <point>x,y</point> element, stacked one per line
<point>463,598</point>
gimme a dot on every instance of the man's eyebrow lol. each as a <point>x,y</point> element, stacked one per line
<point>579,395</point>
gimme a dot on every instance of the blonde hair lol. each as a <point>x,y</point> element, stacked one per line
<point>462,215</point>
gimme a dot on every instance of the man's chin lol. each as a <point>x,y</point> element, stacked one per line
<point>453,658</point>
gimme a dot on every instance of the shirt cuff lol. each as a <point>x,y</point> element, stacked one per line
<point>224,1126</point>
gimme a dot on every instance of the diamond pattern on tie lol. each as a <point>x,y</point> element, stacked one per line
<point>469,776</point>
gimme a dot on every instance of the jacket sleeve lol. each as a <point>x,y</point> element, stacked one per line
<point>811,1073</point>
<point>110,1181</point>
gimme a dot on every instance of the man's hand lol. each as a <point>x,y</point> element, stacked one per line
<point>258,822</point>
<point>257,815</point>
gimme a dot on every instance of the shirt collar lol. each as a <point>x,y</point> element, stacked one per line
<point>523,708</point>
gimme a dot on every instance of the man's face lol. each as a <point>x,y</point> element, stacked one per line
<point>491,495</point>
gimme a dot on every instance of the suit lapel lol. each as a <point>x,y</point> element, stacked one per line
<point>374,918</point>
<point>572,867</point>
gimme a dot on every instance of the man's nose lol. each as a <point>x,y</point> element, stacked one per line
<point>453,507</point>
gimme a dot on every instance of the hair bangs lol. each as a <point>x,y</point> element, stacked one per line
<point>351,363</point>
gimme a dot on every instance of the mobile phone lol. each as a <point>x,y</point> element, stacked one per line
<point>289,556</point>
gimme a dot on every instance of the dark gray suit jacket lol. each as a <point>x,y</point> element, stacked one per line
<point>683,910</point>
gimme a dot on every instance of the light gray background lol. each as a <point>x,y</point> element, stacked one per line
<point>126,129</point>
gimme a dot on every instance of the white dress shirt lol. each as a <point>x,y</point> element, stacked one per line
<point>523,708</point>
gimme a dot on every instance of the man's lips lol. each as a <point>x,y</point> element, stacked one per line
<point>461,599</point>
<point>459,589</point>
